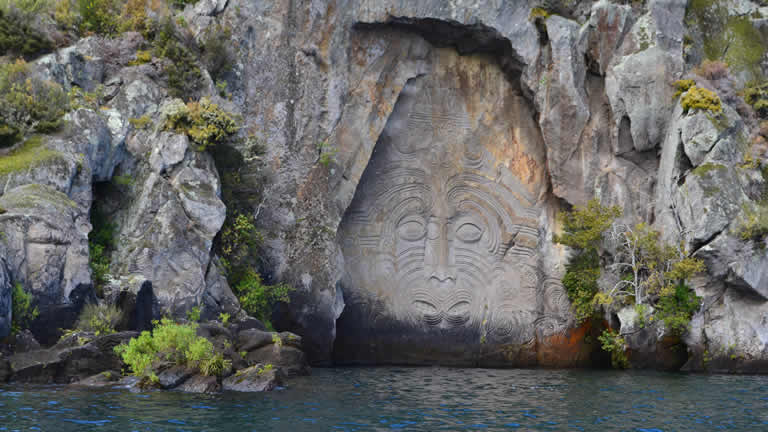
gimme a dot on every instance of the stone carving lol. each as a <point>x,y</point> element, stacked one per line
<point>439,234</point>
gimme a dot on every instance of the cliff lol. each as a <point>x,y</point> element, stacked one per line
<point>404,163</point>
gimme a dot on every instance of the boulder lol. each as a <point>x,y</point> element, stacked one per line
<point>257,378</point>
<point>201,384</point>
<point>251,339</point>
<point>100,380</point>
<point>24,341</point>
<point>65,365</point>
<point>172,376</point>
<point>291,361</point>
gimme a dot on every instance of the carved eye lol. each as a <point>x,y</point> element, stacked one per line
<point>411,230</point>
<point>460,308</point>
<point>425,308</point>
<point>469,233</point>
<point>433,230</point>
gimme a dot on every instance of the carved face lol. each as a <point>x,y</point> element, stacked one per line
<point>436,233</point>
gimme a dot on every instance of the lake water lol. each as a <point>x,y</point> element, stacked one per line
<point>417,399</point>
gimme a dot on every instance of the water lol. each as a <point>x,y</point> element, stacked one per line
<point>413,399</point>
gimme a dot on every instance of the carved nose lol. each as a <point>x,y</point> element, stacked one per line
<point>437,258</point>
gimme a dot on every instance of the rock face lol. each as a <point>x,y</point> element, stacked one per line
<point>416,155</point>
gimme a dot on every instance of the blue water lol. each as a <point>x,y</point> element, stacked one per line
<point>413,399</point>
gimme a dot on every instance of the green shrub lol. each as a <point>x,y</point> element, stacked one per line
<point>101,242</point>
<point>224,318</point>
<point>613,342</point>
<point>676,306</point>
<point>100,319</point>
<point>193,314</point>
<point>215,366</point>
<point>28,104</point>
<point>217,53</point>
<point>184,76</point>
<point>204,122</point>
<point>83,99</point>
<point>756,95</point>
<point>702,99</point>
<point>682,86</point>
<point>142,57</point>
<point>256,298</point>
<point>99,16</point>
<point>174,343</point>
<point>22,311</point>
<point>753,223</point>
<point>583,229</point>
<point>18,35</point>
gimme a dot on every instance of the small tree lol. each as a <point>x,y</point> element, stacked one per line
<point>583,230</point>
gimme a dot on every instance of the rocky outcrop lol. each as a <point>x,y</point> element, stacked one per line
<point>254,379</point>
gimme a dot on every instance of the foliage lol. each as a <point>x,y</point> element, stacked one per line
<point>702,99</point>
<point>712,70</point>
<point>78,98</point>
<point>64,14</point>
<point>204,122</point>
<point>682,86</point>
<point>22,311</point>
<point>142,57</point>
<point>728,37</point>
<point>184,76</point>
<point>215,366</point>
<point>326,153</point>
<point>170,342</point>
<point>580,282</point>
<point>239,239</point>
<point>99,16</point>
<point>676,306</point>
<point>538,13</point>
<point>256,298</point>
<point>193,314</point>
<point>613,342</point>
<point>141,122</point>
<point>18,34</point>
<point>224,318</point>
<point>217,55</point>
<point>100,319</point>
<point>30,153</point>
<point>264,369</point>
<point>28,104</point>
<point>756,95</point>
<point>134,17</point>
<point>583,229</point>
<point>753,223</point>
<point>101,241</point>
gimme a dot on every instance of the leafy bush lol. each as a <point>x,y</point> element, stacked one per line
<point>756,95</point>
<point>184,76</point>
<point>18,35</point>
<point>22,311</point>
<point>170,342</point>
<point>99,16</point>
<point>615,344</point>
<point>101,241</point>
<point>256,298</point>
<point>204,122</point>
<point>676,306</point>
<point>28,104</point>
<point>215,366</point>
<point>701,98</point>
<point>100,319</point>
<point>712,70</point>
<point>224,318</point>
<point>193,314</point>
<point>682,86</point>
<point>217,53</point>
<point>583,230</point>
<point>753,223</point>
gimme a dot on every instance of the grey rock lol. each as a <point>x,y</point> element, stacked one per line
<point>291,361</point>
<point>743,265</point>
<point>6,299</point>
<point>24,341</point>
<point>100,380</point>
<point>173,376</point>
<point>70,364</point>
<point>200,384</point>
<point>251,339</point>
<point>254,379</point>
